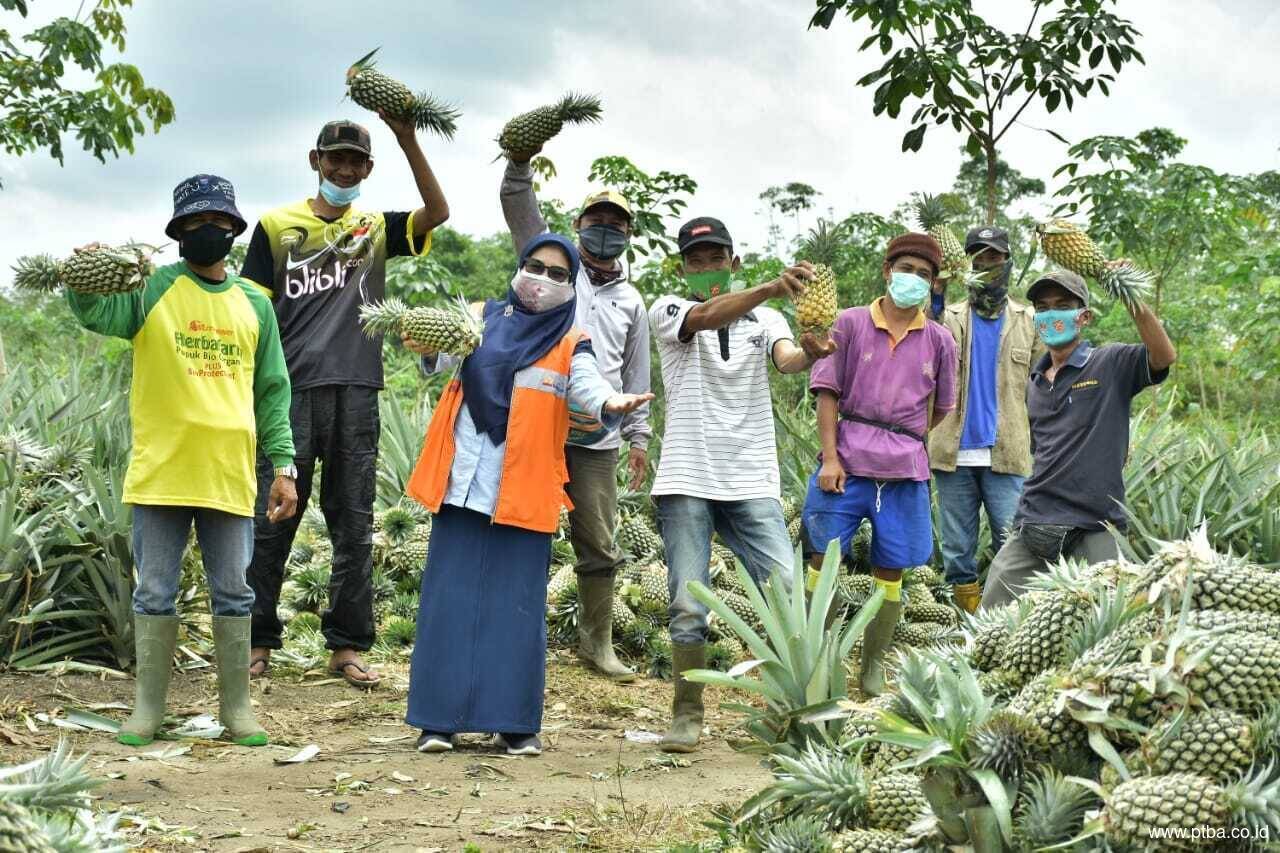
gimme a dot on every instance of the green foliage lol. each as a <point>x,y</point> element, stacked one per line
<point>966,72</point>
<point>36,109</point>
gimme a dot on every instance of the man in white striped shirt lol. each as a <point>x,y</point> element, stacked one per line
<point>718,472</point>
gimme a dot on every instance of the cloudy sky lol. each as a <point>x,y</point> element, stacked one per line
<point>736,93</point>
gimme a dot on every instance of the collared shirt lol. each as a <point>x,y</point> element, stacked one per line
<point>477,462</point>
<point>1080,435</point>
<point>719,442</point>
<point>880,378</point>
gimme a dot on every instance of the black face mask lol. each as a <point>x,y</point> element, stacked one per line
<point>989,296</point>
<point>205,244</point>
<point>603,241</point>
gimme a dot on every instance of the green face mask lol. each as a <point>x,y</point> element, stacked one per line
<point>704,285</point>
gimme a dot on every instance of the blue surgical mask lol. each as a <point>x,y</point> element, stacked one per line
<point>1058,328</point>
<point>907,290</point>
<point>336,195</point>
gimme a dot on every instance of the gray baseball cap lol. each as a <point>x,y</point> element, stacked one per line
<point>986,236</point>
<point>1065,279</point>
<point>344,135</point>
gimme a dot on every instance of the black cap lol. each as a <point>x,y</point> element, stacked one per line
<point>204,194</point>
<point>986,236</point>
<point>704,229</point>
<point>1065,279</point>
<point>344,135</point>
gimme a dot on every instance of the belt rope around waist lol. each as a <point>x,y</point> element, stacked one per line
<point>895,428</point>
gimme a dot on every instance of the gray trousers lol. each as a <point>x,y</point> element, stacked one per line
<point>1015,566</point>
<point>593,488</point>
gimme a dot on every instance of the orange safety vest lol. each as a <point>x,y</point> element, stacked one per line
<point>531,488</point>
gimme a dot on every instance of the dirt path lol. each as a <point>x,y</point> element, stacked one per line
<point>369,790</point>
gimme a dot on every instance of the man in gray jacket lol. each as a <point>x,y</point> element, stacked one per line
<point>611,310</point>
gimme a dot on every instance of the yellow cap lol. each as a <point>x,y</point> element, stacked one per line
<point>606,197</point>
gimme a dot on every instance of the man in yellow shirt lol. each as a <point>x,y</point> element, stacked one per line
<point>209,388</point>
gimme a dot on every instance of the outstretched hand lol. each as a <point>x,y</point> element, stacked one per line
<point>620,404</point>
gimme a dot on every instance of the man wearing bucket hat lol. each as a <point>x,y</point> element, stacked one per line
<point>980,452</point>
<point>1078,401</point>
<point>322,259</point>
<point>612,312</point>
<point>209,386</point>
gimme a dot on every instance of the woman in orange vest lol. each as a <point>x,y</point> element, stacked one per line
<point>492,471</point>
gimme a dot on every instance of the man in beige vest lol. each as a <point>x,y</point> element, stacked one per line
<point>981,452</point>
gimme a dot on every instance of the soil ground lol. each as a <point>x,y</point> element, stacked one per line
<point>368,789</point>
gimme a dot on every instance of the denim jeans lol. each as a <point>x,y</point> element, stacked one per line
<point>160,537</point>
<point>961,493</point>
<point>753,529</point>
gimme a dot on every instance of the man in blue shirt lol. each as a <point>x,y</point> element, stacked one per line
<point>981,452</point>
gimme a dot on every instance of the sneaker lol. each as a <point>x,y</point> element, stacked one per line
<point>520,744</point>
<point>435,742</point>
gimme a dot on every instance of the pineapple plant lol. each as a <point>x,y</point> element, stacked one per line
<point>399,631</point>
<point>823,781</point>
<point>101,270</point>
<point>798,834</point>
<point>375,91</point>
<point>1050,811</point>
<point>932,214</point>
<point>19,831</point>
<point>405,605</point>
<point>1069,246</point>
<point>528,132</point>
<point>453,331</point>
<point>1188,803</point>
<point>816,307</point>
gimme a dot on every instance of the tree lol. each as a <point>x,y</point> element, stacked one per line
<point>978,78</point>
<point>792,198</point>
<point>36,109</point>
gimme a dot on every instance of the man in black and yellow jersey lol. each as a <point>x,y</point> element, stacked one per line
<point>321,259</point>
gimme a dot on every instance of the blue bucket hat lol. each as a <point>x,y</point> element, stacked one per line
<point>204,194</point>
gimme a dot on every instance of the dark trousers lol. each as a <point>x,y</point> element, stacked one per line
<point>593,488</point>
<point>336,425</point>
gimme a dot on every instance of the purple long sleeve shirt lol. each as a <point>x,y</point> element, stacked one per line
<point>880,379</point>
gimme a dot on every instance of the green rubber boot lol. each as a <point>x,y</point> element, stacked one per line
<point>153,638</point>
<point>686,707</point>
<point>595,629</point>
<point>235,712</point>
<point>875,639</point>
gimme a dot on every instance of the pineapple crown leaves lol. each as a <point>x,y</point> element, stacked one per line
<point>820,772</point>
<point>381,318</point>
<point>363,63</point>
<point>1051,810</point>
<point>932,211</point>
<point>36,272</point>
<point>823,243</point>
<point>1008,743</point>
<point>427,111</point>
<point>1111,610</point>
<point>55,781</point>
<point>579,108</point>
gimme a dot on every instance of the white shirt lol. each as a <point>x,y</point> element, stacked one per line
<point>719,442</point>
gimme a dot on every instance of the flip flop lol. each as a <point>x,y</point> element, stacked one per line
<point>266,666</point>
<point>355,682</point>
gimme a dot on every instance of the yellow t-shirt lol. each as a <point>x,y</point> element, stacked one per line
<point>209,383</point>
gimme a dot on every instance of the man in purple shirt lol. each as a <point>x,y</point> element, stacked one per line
<point>892,378</point>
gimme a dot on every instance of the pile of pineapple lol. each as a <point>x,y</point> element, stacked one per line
<point>1111,707</point>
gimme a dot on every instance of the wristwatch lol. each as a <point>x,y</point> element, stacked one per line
<point>290,471</point>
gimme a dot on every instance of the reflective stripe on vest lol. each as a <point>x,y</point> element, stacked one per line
<point>531,488</point>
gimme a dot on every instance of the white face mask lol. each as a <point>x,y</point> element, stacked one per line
<point>539,293</point>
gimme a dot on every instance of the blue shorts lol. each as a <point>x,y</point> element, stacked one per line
<point>901,520</point>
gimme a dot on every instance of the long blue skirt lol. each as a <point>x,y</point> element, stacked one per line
<point>479,661</point>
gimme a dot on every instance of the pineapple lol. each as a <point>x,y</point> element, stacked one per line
<point>638,539</point>
<point>1066,736</point>
<point>653,583</point>
<point>623,618</point>
<point>560,581</point>
<point>931,215</point>
<point>912,634</point>
<point>1050,811</point>
<point>870,841</point>
<point>1008,743</point>
<point>454,330</point>
<point>742,608</point>
<point>1217,743</point>
<point>999,685</point>
<point>528,132</point>
<point>939,614</point>
<point>1187,803</point>
<point>887,757</point>
<point>793,529</point>
<point>894,802</point>
<point>19,832</point>
<point>1217,582</point>
<point>1042,639</point>
<point>1068,246</point>
<point>816,307</point>
<point>1239,672</point>
<point>103,270</point>
<point>790,509</point>
<point>375,91</point>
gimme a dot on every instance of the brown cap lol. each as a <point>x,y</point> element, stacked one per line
<point>1065,279</point>
<point>919,245</point>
